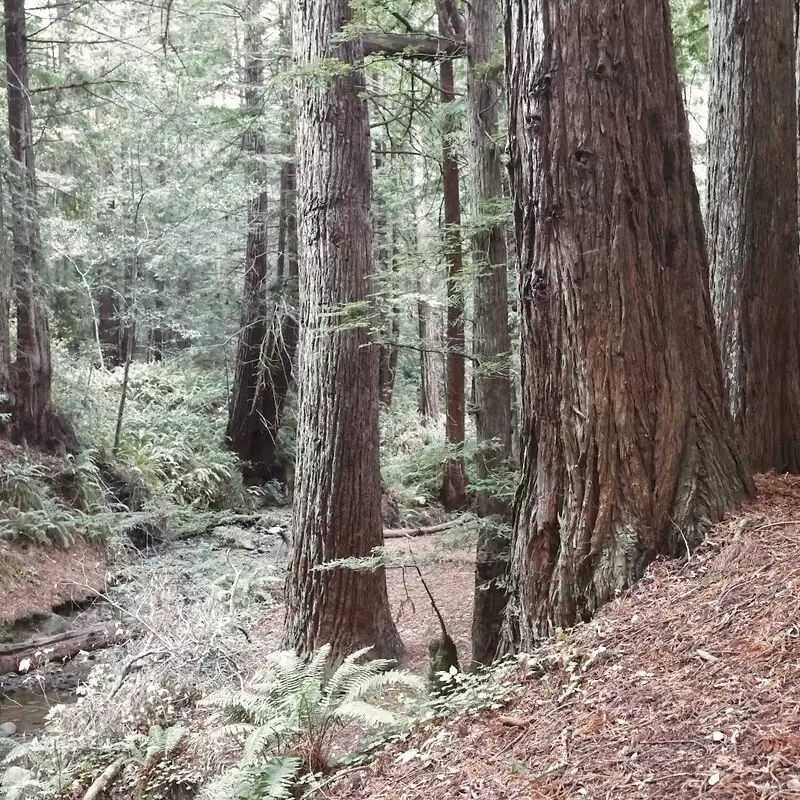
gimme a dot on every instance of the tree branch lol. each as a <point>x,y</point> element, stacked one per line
<point>421,46</point>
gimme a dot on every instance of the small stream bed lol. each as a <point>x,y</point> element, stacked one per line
<point>26,699</point>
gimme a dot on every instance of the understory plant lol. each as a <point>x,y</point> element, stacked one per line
<point>287,719</point>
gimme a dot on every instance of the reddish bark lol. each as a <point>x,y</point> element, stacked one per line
<point>454,491</point>
<point>337,498</point>
<point>628,449</point>
<point>752,225</point>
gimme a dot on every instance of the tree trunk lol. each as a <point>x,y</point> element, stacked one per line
<point>753,241</point>
<point>390,322</point>
<point>6,283</point>
<point>628,450</point>
<point>280,346</point>
<point>454,491</point>
<point>110,327</point>
<point>250,425</point>
<point>33,418</point>
<point>491,342</point>
<point>337,498</point>
<point>430,372</point>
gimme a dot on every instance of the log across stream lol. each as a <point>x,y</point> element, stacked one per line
<point>46,661</point>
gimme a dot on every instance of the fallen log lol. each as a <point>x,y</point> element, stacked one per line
<point>404,533</point>
<point>102,783</point>
<point>58,647</point>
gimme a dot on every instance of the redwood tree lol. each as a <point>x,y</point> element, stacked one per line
<point>33,419</point>
<point>266,341</point>
<point>628,448</point>
<point>429,369</point>
<point>454,489</point>
<point>337,500</point>
<point>491,342</point>
<point>752,224</point>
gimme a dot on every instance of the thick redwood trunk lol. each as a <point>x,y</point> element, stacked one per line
<point>454,490</point>
<point>110,327</point>
<point>337,498</point>
<point>752,224</point>
<point>6,387</point>
<point>280,345</point>
<point>628,448</point>
<point>491,342</point>
<point>33,418</point>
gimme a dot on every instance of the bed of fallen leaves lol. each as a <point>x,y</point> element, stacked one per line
<point>689,685</point>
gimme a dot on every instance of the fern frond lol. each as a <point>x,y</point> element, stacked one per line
<point>18,754</point>
<point>261,738</point>
<point>374,683</point>
<point>319,663</point>
<point>359,711</point>
<point>237,730</point>
<point>155,742</point>
<point>253,707</point>
<point>272,779</point>
<point>173,737</point>
<point>350,672</point>
<point>276,777</point>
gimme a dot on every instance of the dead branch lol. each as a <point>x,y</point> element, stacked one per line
<point>404,533</point>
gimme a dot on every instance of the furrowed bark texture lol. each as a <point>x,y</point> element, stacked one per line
<point>337,500</point>
<point>6,388</point>
<point>628,449</point>
<point>454,490</point>
<point>752,224</point>
<point>491,342</point>
<point>33,420</point>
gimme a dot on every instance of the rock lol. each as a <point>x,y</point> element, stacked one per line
<point>16,776</point>
<point>53,624</point>
<point>7,729</point>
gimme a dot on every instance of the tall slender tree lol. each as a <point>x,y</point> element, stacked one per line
<point>6,283</point>
<point>491,341</point>
<point>247,432</point>
<point>752,224</point>
<point>628,448</point>
<point>454,487</point>
<point>430,371</point>
<point>337,501</point>
<point>33,418</point>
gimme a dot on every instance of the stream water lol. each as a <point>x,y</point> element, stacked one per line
<point>27,709</point>
<point>25,700</point>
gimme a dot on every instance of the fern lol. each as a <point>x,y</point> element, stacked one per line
<point>271,779</point>
<point>18,752</point>
<point>294,707</point>
<point>164,742</point>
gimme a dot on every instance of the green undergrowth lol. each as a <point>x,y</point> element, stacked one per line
<point>412,455</point>
<point>170,464</point>
<point>283,732</point>
<point>52,503</point>
<point>173,427</point>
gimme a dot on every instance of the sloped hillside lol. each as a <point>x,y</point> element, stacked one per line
<point>687,686</point>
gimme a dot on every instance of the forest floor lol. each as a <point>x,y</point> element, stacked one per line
<point>685,686</point>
